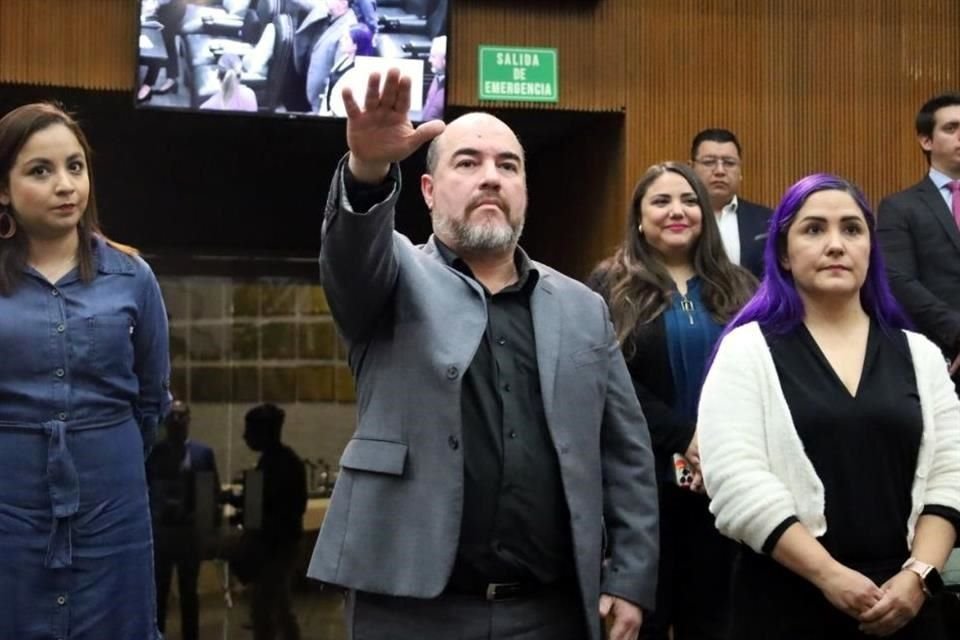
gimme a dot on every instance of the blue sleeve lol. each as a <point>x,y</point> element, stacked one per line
<point>151,358</point>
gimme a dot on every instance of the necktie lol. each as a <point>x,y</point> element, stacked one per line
<point>954,188</point>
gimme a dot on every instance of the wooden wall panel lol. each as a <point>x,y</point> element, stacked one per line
<point>72,43</point>
<point>810,85</point>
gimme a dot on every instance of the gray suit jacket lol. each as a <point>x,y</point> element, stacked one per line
<point>412,325</point>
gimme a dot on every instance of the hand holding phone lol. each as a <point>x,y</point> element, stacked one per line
<point>683,471</point>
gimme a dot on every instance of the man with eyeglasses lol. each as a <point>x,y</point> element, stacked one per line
<point>716,159</point>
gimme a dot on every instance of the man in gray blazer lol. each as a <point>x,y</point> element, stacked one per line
<point>500,483</point>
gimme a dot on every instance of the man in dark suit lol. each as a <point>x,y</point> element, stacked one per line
<point>918,230</point>
<point>717,159</point>
<point>172,470</point>
<point>500,482</point>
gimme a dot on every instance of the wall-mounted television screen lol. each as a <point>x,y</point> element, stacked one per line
<point>287,57</point>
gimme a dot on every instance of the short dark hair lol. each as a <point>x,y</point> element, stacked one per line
<point>927,116</point>
<point>266,418</point>
<point>714,135</point>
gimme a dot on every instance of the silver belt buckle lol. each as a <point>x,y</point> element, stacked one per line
<point>494,587</point>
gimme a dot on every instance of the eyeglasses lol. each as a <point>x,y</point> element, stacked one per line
<point>711,162</point>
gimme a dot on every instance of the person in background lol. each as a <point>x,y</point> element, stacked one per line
<point>919,230</point>
<point>277,541</point>
<point>356,41</point>
<point>830,437</point>
<point>177,536</point>
<point>717,158</point>
<point>233,94</point>
<point>84,379</point>
<point>170,14</point>
<point>366,12</point>
<point>671,289</point>
<point>434,102</point>
<point>316,44</point>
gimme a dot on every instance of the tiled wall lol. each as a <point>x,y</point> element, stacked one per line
<point>236,343</point>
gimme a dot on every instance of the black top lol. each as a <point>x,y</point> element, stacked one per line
<point>516,525</point>
<point>284,495</point>
<point>171,485</point>
<point>648,360</point>
<point>864,447</point>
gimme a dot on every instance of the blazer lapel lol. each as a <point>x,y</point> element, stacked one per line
<point>430,249</point>
<point>930,196</point>
<point>547,326</point>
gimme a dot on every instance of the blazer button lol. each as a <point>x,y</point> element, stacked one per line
<point>453,442</point>
<point>452,373</point>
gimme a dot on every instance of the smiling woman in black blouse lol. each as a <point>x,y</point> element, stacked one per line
<point>670,289</point>
<point>830,437</point>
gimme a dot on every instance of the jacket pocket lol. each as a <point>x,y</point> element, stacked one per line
<point>378,456</point>
<point>591,355</point>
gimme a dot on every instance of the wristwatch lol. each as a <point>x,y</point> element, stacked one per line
<point>930,580</point>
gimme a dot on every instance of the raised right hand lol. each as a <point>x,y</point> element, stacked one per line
<point>850,591</point>
<point>381,132</point>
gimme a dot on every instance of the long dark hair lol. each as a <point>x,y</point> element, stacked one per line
<point>777,306</point>
<point>16,129</point>
<point>638,286</point>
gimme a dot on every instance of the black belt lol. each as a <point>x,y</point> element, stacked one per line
<point>498,591</point>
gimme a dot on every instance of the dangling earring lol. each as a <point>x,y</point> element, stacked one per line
<point>8,225</point>
<point>640,229</point>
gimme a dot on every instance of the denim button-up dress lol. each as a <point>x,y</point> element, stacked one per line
<point>84,370</point>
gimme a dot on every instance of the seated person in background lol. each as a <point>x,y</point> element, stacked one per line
<point>233,94</point>
<point>171,474</point>
<point>356,41</point>
<point>433,105</point>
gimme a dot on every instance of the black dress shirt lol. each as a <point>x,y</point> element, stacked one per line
<point>516,525</point>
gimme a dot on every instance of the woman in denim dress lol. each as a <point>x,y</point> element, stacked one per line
<point>84,370</point>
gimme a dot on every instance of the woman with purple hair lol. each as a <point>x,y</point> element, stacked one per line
<point>671,288</point>
<point>830,437</point>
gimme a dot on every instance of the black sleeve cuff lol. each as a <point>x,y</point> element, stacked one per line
<point>949,514</point>
<point>777,533</point>
<point>364,196</point>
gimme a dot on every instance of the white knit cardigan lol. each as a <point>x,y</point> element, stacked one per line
<point>755,468</point>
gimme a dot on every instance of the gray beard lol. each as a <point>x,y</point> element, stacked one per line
<point>487,237</point>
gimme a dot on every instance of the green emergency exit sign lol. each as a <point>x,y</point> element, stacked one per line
<point>518,74</point>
